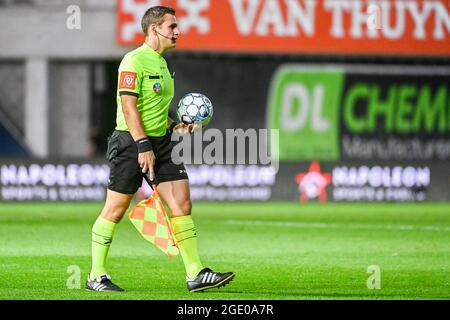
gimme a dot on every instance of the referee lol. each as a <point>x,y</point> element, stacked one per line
<point>142,144</point>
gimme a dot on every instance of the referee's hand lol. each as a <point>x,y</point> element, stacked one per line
<point>147,162</point>
<point>183,128</point>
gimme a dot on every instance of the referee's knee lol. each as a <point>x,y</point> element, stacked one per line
<point>114,213</point>
<point>187,207</point>
<point>183,208</point>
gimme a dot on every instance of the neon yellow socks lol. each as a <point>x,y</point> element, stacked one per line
<point>183,228</point>
<point>102,234</point>
<point>186,236</point>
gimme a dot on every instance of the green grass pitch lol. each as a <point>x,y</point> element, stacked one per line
<point>278,251</point>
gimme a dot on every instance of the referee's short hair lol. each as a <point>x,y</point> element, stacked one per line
<point>155,15</point>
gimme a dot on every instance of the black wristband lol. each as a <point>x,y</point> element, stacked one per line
<point>144,145</point>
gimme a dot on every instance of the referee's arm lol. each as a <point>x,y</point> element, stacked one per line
<point>134,122</point>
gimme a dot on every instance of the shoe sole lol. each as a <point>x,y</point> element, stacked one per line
<point>87,289</point>
<point>222,283</point>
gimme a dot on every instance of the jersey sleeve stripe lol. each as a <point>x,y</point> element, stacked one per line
<point>128,93</point>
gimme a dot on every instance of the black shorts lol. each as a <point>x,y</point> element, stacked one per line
<point>126,174</point>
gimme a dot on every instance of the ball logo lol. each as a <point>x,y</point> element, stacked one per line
<point>127,80</point>
<point>157,87</point>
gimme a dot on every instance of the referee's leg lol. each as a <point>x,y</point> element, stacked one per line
<point>177,196</point>
<point>116,205</point>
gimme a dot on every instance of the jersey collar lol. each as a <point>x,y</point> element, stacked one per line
<point>146,47</point>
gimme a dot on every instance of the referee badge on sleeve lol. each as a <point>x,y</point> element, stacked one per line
<point>157,87</point>
<point>127,80</point>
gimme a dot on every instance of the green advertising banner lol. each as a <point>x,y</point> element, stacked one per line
<point>349,112</point>
<point>304,106</point>
<point>400,113</point>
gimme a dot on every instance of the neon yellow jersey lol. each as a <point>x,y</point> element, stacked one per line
<point>143,73</point>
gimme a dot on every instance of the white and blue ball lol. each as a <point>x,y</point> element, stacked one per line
<point>195,108</point>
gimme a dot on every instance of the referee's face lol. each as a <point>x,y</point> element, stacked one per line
<point>169,32</point>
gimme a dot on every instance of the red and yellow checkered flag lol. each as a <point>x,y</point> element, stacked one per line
<point>151,220</point>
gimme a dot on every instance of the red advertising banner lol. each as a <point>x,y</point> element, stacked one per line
<point>381,27</point>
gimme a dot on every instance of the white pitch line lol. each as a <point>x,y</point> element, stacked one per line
<point>339,225</point>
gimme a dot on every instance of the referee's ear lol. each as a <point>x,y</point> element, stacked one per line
<point>150,30</point>
<point>153,27</point>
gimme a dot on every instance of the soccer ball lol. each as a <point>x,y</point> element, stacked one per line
<point>195,108</point>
